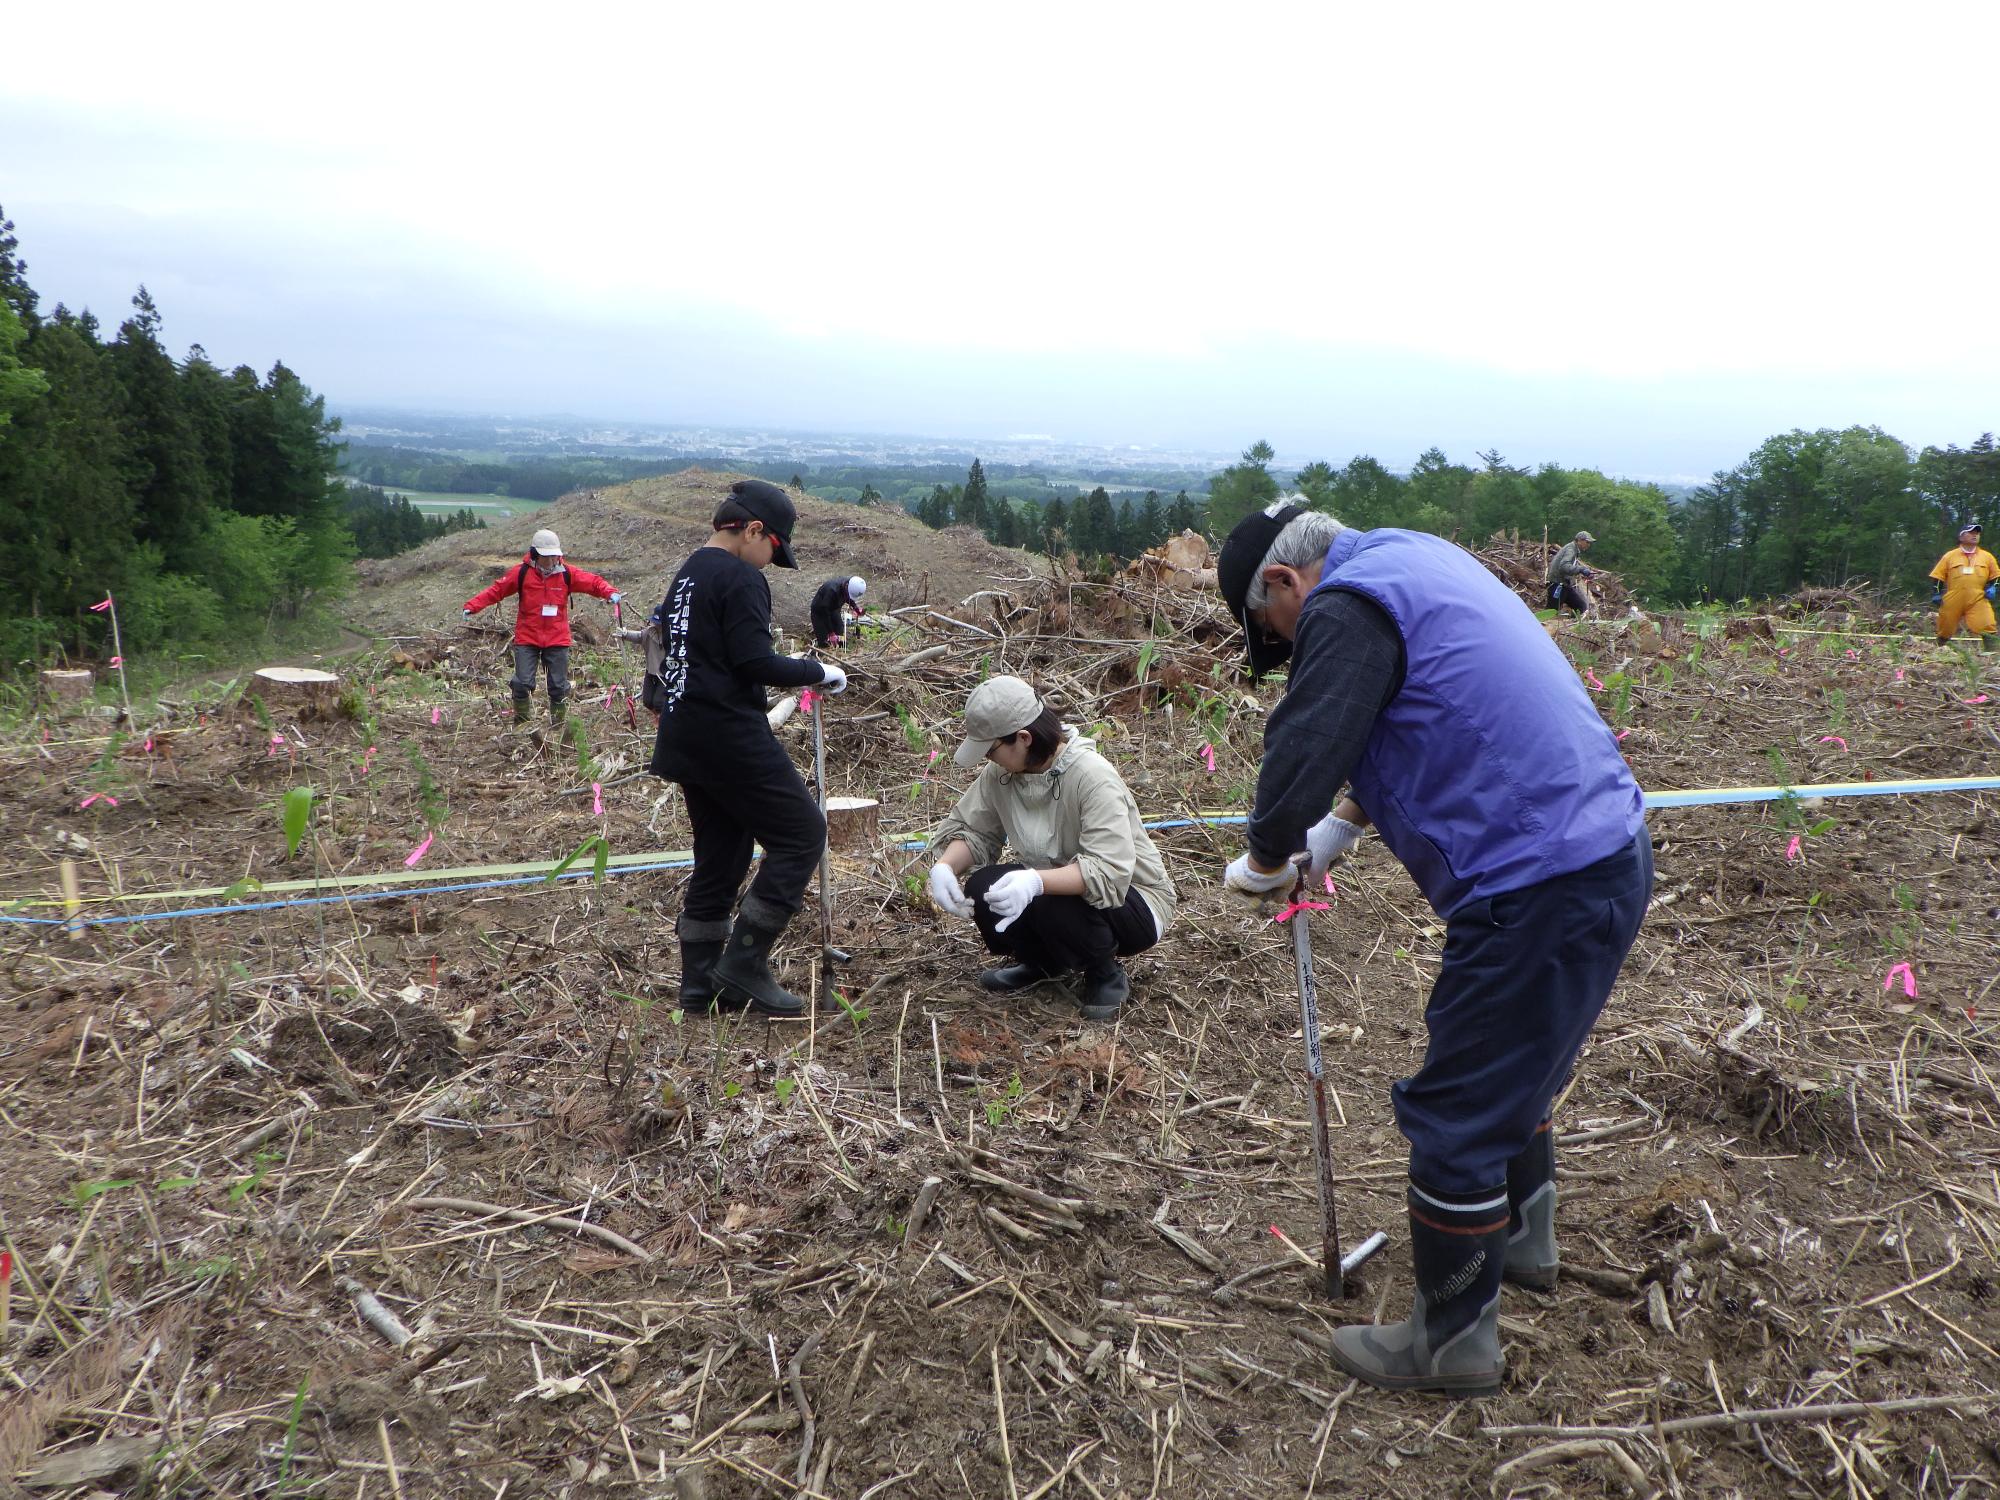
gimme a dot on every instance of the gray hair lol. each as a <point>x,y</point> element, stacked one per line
<point>1304,540</point>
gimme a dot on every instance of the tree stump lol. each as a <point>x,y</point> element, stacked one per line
<point>854,824</point>
<point>302,691</point>
<point>67,690</point>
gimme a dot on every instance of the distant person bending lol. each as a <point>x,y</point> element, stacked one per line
<point>541,623</point>
<point>1566,574</point>
<point>830,605</point>
<point>1967,579</point>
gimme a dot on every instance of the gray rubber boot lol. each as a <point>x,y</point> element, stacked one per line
<point>520,710</point>
<point>1450,1342</point>
<point>558,711</point>
<point>1531,1214</point>
<point>743,973</point>
<point>1106,988</point>
<point>701,946</point>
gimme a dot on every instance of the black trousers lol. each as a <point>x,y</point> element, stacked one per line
<point>1566,594</point>
<point>1524,977</point>
<point>1061,934</point>
<point>827,626</point>
<point>763,802</point>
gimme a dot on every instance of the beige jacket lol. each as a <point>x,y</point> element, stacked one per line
<point>1078,810</point>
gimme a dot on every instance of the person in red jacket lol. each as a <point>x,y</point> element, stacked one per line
<point>541,624</point>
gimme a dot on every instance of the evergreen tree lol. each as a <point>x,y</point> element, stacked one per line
<point>1242,488</point>
<point>1055,527</point>
<point>1146,525</point>
<point>14,288</point>
<point>869,495</point>
<point>174,501</point>
<point>20,383</point>
<point>972,501</point>
<point>1183,515</point>
<point>1093,525</point>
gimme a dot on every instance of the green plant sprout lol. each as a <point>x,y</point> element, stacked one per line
<point>855,1013</point>
<point>1000,1110</point>
<point>784,1089</point>
<point>913,732</point>
<point>429,798</point>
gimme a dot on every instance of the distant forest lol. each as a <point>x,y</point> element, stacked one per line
<point>1820,507</point>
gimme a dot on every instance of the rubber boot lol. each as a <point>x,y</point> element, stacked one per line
<point>1451,1340</point>
<point>558,711</point>
<point>1989,642</point>
<point>1531,1214</point>
<point>520,710</point>
<point>743,973</point>
<point>701,946</point>
<point>1106,988</point>
<point>1008,978</point>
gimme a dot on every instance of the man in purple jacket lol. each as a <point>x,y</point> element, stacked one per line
<point>1420,683</point>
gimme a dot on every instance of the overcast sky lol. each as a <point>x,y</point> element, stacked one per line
<point>1641,237</point>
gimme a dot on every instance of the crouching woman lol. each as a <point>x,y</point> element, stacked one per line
<point>1086,887</point>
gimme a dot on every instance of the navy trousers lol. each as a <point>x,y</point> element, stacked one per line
<point>1525,975</point>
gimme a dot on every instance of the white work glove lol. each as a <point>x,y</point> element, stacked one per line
<point>615,597</point>
<point>946,893</point>
<point>1009,896</point>
<point>1326,841</point>
<point>465,614</point>
<point>835,680</point>
<point>1240,877</point>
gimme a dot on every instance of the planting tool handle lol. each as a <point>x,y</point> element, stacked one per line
<point>1316,1086</point>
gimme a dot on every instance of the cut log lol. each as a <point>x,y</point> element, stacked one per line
<point>854,824</point>
<point>67,689</point>
<point>303,691</point>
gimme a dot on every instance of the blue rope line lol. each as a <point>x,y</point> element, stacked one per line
<point>1711,797</point>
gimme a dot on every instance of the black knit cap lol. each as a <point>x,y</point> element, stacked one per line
<point>770,504</point>
<point>1236,570</point>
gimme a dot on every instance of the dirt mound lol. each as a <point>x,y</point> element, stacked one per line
<point>637,535</point>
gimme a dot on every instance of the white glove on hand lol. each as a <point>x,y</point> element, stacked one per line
<point>465,614</point>
<point>1240,877</point>
<point>835,680</point>
<point>946,893</point>
<point>1009,896</point>
<point>615,598</point>
<point>1326,841</point>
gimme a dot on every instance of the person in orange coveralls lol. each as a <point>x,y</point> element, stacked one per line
<point>1967,580</point>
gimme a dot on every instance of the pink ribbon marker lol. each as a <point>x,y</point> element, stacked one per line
<point>1833,739</point>
<point>1207,753</point>
<point>105,797</point>
<point>101,605</point>
<point>435,713</point>
<point>807,698</point>
<point>1331,888</point>
<point>596,799</point>
<point>1899,674</point>
<point>272,748</point>
<point>1591,678</point>
<point>1621,735</point>
<point>1792,849</point>
<point>1299,906</point>
<point>149,744</point>
<point>1979,699</point>
<point>366,756</point>
<point>1784,651</point>
<point>116,661</point>
<point>1909,980</point>
<point>410,861</point>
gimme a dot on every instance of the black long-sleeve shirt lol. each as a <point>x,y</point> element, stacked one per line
<point>1347,663</point>
<point>716,619</point>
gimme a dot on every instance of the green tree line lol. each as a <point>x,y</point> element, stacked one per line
<point>383,524</point>
<point>205,500</point>
<point>1807,508</point>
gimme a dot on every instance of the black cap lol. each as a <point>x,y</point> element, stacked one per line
<point>1236,570</point>
<point>771,505</point>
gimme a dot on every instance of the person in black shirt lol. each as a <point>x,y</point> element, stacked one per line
<point>716,743</point>
<point>830,603</point>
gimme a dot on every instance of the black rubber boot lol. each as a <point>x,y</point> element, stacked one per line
<point>1531,1214</point>
<point>1008,978</point>
<point>701,946</point>
<point>1989,643</point>
<point>1451,1340</point>
<point>520,710</point>
<point>1106,988</point>
<point>743,973</point>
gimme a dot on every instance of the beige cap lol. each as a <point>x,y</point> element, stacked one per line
<point>998,707</point>
<point>547,543</point>
<point>1584,536</point>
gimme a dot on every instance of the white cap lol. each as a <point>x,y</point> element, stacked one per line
<point>546,542</point>
<point>856,586</point>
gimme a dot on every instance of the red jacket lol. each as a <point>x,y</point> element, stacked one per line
<point>543,617</point>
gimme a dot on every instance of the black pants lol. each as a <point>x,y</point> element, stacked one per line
<point>1061,934</point>
<point>1524,977</point>
<point>1567,594</point>
<point>827,625</point>
<point>764,803</point>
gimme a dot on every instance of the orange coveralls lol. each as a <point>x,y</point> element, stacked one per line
<point>1963,576</point>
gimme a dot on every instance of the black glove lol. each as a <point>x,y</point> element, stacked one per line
<point>1993,590</point>
<point>1937,598</point>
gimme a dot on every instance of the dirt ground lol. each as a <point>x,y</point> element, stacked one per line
<point>937,1243</point>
